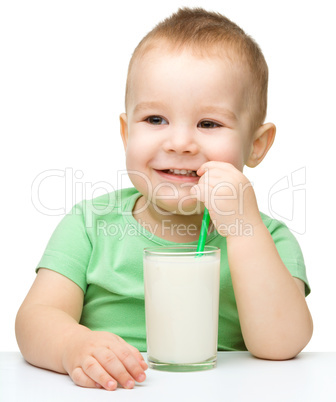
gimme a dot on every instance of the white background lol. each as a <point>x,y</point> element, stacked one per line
<point>62,77</point>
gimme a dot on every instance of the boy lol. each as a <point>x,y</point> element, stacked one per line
<point>195,105</point>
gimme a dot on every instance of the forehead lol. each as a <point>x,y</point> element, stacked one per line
<point>185,70</point>
<point>163,48</point>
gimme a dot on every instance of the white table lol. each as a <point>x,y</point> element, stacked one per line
<point>238,377</point>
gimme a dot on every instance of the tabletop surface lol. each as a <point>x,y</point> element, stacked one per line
<point>238,377</point>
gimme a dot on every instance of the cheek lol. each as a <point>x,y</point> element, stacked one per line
<point>131,160</point>
<point>136,151</point>
<point>134,166</point>
<point>139,152</point>
<point>230,150</point>
<point>136,172</point>
<point>141,145</point>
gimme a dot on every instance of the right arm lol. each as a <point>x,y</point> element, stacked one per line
<point>49,336</point>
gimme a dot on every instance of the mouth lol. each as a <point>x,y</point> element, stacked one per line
<point>180,172</point>
<point>179,175</point>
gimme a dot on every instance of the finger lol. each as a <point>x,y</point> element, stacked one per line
<point>82,380</point>
<point>200,172</point>
<point>214,183</point>
<point>130,361</point>
<point>216,168</point>
<point>97,374</point>
<point>114,364</point>
<point>210,165</point>
<point>144,365</point>
<point>138,356</point>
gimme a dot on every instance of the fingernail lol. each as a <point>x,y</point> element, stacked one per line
<point>141,377</point>
<point>111,385</point>
<point>144,365</point>
<point>129,384</point>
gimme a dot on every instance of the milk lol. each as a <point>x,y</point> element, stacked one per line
<point>181,301</point>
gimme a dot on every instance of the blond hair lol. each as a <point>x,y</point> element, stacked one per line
<point>209,33</point>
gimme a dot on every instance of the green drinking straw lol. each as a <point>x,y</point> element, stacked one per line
<point>203,232</point>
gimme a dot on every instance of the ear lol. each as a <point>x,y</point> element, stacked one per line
<point>124,129</point>
<point>262,142</point>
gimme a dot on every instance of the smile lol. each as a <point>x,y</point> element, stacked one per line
<point>179,175</point>
<point>181,172</point>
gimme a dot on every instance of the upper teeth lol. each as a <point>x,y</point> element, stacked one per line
<point>183,171</point>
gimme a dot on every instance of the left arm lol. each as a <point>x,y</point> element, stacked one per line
<point>274,317</point>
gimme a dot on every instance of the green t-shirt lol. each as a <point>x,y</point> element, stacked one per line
<point>99,246</point>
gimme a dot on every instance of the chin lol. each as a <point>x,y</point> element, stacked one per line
<point>184,207</point>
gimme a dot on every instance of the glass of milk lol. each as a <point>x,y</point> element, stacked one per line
<point>181,303</point>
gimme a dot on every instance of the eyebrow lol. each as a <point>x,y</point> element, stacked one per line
<point>204,109</point>
<point>148,105</point>
<point>220,110</point>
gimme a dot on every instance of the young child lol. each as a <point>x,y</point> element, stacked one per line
<point>195,107</point>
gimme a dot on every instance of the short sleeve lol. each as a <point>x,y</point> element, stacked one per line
<point>69,249</point>
<point>288,249</point>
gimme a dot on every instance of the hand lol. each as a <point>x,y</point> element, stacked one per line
<point>229,197</point>
<point>101,360</point>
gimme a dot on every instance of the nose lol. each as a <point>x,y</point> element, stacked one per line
<point>181,141</point>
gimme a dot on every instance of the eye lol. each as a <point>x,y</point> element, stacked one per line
<point>208,124</point>
<point>156,120</point>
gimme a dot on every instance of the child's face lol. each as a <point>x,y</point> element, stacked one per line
<point>183,111</point>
